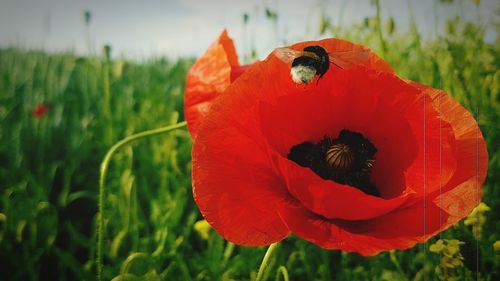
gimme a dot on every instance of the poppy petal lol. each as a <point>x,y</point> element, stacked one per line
<point>213,72</point>
<point>462,192</point>
<point>210,75</point>
<point>242,213</point>
<point>367,238</point>
<point>233,185</point>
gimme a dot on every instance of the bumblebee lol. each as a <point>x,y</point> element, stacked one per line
<point>315,61</point>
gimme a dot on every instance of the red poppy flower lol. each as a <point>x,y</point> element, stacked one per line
<point>40,110</point>
<point>359,160</point>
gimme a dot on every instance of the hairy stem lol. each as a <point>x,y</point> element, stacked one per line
<point>102,182</point>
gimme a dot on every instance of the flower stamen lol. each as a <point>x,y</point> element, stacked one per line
<point>340,157</point>
<point>347,159</point>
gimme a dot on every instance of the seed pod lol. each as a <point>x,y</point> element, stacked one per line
<point>340,157</point>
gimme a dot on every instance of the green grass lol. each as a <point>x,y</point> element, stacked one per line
<point>49,169</point>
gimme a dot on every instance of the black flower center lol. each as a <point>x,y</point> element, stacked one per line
<point>347,159</point>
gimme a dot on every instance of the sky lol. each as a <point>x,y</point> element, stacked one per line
<point>177,28</point>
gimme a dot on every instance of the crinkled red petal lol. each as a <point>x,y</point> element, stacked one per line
<point>462,192</point>
<point>213,72</point>
<point>333,200</point>
<point>233,184</point>
<point>400,229</point>
<point>235,190</point>
<point>209,76</point>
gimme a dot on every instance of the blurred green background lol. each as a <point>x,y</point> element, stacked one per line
<point>60,113</point>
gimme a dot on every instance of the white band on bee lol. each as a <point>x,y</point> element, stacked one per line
<point>302,74</point>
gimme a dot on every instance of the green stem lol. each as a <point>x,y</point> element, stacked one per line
<point>265,261</point>
<point>378,20</point>
<point>282,272</point>
<point>102,181</point>
<point>227,253</point>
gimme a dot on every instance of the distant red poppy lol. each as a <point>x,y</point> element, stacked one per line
<point>358,160</point>
<point>40,110</point>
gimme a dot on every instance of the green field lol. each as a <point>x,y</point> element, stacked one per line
<point>49,169</point>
